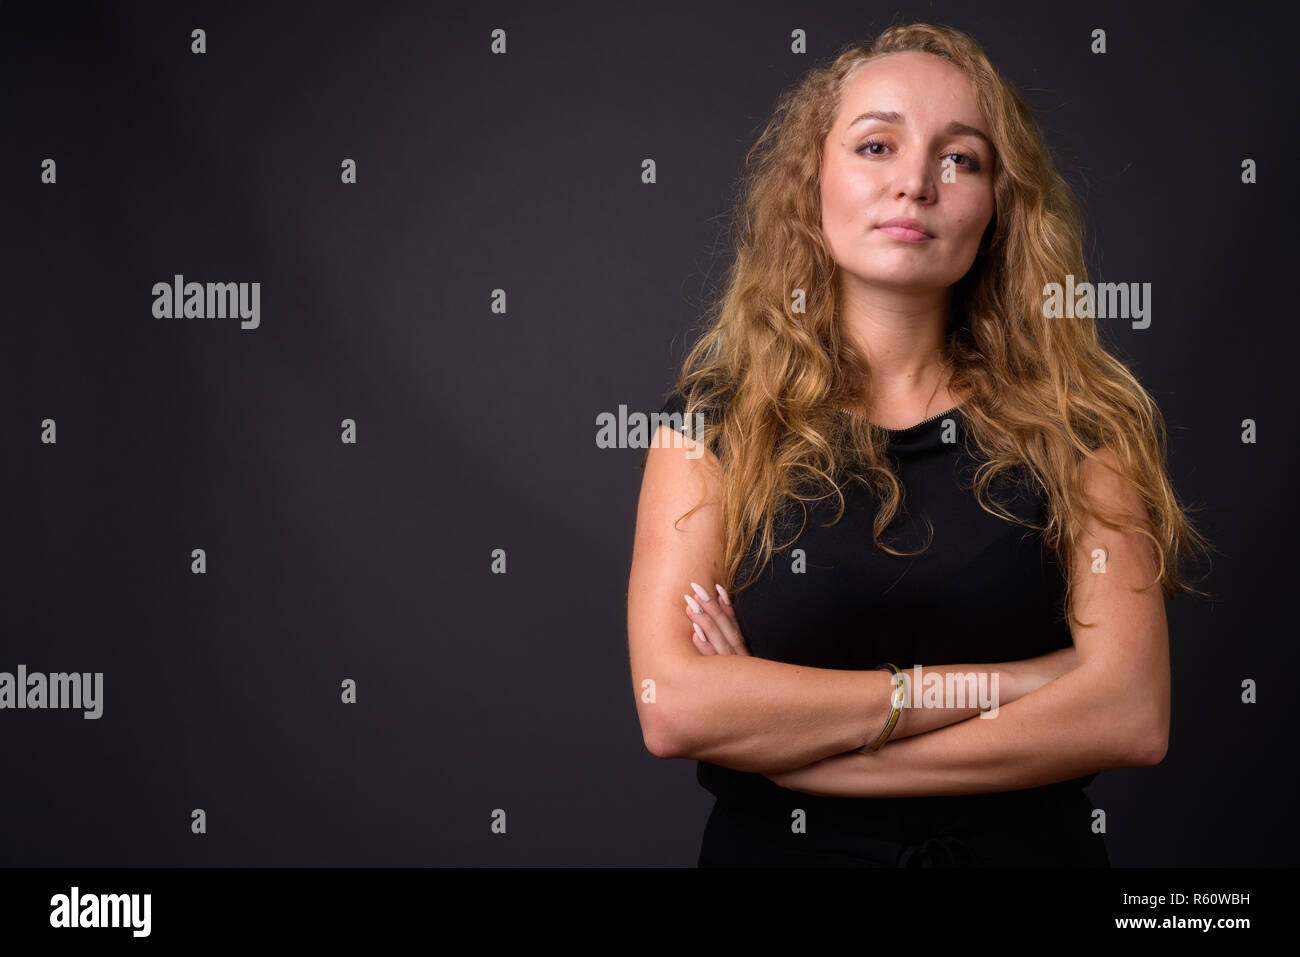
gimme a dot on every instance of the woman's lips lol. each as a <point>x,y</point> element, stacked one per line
<point>905,233</point>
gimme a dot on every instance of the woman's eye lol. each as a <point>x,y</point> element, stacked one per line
<point>971,163</point>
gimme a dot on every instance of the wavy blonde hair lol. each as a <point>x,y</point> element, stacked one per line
<point>1040,395</point>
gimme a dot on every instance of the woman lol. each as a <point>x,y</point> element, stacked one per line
<point>904,462</point>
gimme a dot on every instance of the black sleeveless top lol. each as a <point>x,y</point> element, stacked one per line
<point>985,591</point>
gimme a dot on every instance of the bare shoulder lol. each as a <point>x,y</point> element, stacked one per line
<point>681,476</point>
<point>1109,550</point>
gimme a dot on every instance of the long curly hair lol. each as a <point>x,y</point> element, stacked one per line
<point>1041,395</point>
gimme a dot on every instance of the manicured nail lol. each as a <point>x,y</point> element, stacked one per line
<point>726,599</point>
<point>703,595</point>
<point>699,631</point>
<point>694,607</point>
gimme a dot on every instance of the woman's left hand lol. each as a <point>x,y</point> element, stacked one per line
<point>716,629</point>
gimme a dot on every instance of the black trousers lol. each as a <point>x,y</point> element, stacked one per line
<point>1037,827</point>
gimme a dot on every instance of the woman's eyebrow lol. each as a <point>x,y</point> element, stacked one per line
<point>952,129</point>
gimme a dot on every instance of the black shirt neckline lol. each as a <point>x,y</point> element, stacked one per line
<point>919,425</point>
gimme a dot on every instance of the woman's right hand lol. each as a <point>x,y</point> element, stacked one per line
<point>716,629</point>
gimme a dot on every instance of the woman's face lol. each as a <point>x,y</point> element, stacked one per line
<point>921,110</point>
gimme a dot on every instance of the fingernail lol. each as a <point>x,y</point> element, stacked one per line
<point>726,600</point>
<point>694,607</point>
<point>703,595</point>
<point>699,631</point>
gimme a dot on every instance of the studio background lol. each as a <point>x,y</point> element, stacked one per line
<point>476,429</point>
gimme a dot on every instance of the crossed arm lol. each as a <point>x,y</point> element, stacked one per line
<point>801,726</point>
<point>1081,722</point>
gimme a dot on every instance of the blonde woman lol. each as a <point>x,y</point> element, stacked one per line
<point>888,455</point>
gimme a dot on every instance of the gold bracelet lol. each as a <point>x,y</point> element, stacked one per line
<point>897,702</point>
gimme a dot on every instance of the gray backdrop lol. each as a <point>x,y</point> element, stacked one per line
<point>475,429</point>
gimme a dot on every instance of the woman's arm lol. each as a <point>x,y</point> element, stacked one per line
<point>745,713</point>
<point>930,697</point>
<point>1111,711</point>
<point>1059,732</point>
